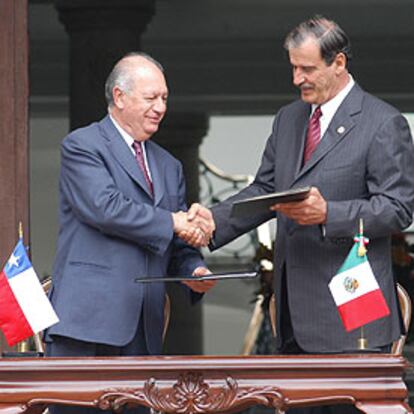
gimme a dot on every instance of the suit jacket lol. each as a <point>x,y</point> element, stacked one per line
<point>364,168</point>
<point>111,232</point>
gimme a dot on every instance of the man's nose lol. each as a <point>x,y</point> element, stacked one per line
<point>160,105</point>
<point>298,77</point>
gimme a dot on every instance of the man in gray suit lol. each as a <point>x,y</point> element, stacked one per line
<point>362,167</point>
<point>121,202</point>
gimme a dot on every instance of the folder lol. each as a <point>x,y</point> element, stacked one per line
<point>213,276</point>
<point>261,204</point>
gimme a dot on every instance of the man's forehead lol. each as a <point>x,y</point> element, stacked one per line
<point>157,89</point>
<point>150,85</point>
<point>309,49</point>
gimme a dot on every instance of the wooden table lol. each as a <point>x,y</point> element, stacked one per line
<point>205,384</point>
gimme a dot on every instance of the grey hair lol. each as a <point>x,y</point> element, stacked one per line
<point>329,35</point>
<point>121,75</point>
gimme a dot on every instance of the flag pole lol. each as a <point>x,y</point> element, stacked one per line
<point>362,251</point>
<point>20,230</point>
<point>362,341</point>
<point>22,346</point>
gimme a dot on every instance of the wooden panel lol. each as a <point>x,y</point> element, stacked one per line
<point>14,182</point>
<point>205,385</point>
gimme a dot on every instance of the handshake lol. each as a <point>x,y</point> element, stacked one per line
<point>196,226</point>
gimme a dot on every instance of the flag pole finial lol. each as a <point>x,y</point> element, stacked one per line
<point>20,230</point>
<point>362,250</point>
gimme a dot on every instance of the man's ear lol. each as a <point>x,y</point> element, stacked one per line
<point>340,62</point>
<point>118,97</point>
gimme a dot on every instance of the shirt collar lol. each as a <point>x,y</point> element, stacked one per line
<point>127,138</point>
<point>329,108</point>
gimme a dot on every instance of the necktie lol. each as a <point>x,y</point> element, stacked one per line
<point>313,135</point>
<point>141,162</point>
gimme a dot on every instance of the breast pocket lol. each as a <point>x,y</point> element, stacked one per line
<point>343,179</point>
<point>89,264</point>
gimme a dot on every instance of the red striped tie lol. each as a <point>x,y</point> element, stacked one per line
<point>313,135</point>
<point>141,162</point>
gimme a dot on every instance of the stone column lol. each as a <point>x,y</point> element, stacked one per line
<point>100,32</point>
<point>181,134</point>
<point>14,167</point>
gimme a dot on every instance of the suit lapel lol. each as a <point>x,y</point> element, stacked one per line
<point>340,126</point>
<point>122,153</point>
<point>156,167</point>
<point>301,123</point>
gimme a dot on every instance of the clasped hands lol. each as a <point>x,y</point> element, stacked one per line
<point>196,226</point>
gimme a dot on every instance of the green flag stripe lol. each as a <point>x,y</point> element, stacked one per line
<point>352,259</point>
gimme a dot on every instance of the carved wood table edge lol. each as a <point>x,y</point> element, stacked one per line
<point>205,384</point>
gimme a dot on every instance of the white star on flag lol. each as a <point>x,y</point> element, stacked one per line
<point>13,261</point>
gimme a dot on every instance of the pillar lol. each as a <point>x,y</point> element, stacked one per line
<point>100,33</point>
<point>181,134</point>
<point>14,166</point>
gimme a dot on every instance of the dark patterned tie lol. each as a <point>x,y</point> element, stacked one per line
<point>313,135</point>
<point>141,162</point>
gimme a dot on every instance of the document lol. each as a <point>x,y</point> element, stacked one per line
<point>261,204</point>
<point>213,276</point>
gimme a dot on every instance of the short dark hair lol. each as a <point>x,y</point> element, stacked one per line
<point>329,35</point>
<point>121,75</point>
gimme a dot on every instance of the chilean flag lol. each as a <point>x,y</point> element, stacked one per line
<point>356,292</point>
<point>24,307</point>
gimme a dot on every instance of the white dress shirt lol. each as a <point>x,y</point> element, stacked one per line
<point>129,141</point>
<point>328,111</point>
<point>329,108</point>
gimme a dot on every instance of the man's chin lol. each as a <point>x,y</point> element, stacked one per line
<point>152,129</point>
<point>307,97</point>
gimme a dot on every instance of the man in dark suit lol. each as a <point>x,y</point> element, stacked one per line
<point>361,167</point>
<point>121,204</point>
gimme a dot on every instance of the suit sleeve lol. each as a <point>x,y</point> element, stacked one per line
<point>227,227</point>
<point>185,258</point>
<point>389,204</point>
<point>91,193</point>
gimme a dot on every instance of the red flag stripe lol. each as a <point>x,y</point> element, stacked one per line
<point>364,309</point>
<point>12,319</point>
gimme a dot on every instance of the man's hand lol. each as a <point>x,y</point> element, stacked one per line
<point>200,286</point>
<point>195,227</point>
<point>189,232</point>
<point>202,217</point>
<point>312,210</point>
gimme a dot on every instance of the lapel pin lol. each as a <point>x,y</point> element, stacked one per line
<point>340,130</point>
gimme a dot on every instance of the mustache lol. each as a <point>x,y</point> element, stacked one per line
<point>305,85</point>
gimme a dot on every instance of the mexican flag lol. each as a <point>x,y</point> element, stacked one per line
<point>356,291</point>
